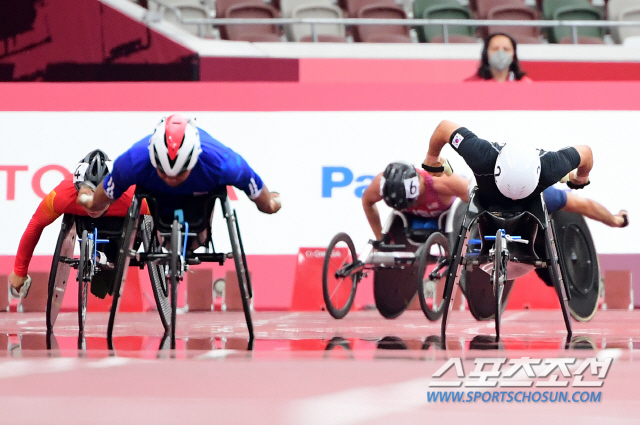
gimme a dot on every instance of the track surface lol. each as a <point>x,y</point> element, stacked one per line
<point>305,368</point>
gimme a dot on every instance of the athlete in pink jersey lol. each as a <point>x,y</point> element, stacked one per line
<point>413,191</point>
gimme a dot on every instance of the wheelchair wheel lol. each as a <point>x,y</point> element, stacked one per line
<point>499,277</point>
<point>433,264</point>
<point>578,258</point>
<point>240,262</point>
<point>339,288</point>
<point>59,274</point>
<point>156,274</point>
<point>174,263</point>
<point>85,273</point>
<point>126,242</point>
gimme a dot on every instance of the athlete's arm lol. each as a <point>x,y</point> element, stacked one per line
<point>44,215</point>
<point>440,137</point>
<point>453,185</point>
<point>594,210</point>
<point>586,164</point>
<point>370,198</point>
<point>268,202</point>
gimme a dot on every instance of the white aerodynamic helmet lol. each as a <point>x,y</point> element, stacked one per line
<point>517,171</point>
<point>174,146</point>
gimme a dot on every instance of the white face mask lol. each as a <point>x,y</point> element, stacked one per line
<point>500,60</point>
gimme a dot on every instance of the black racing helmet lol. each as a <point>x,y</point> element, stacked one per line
<point>92,169</point>
<point>399,185</point>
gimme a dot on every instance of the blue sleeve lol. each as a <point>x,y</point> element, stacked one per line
<point>120,178</point>
<point>555,199</point>
<point>239,174</point>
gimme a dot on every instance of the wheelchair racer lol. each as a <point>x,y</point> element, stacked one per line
<point>179,158</point>
<point>506,174</point>
<point>415,192</point>
<point>62,200</point>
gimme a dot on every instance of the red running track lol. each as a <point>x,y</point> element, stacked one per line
<point>306,368</point>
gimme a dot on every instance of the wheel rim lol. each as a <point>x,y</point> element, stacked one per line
<point>578,260</point>
<point>434,277</point>
<point>339,288</point>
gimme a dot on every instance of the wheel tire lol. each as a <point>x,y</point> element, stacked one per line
<point>424,270</point>
<point>499,275</point>
<point>329,290</point>
<point>157,275</point>
<point>242,273</point>
<point>84,277</point>
<point>59,274</point>
<point>574,242</point>
<point>176,247</point>
<point>126,241</point>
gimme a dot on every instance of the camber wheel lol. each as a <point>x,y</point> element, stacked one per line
<point>84,277</point>
<point>499,278</point>
<point>174,263</point>
<point>157,275</point>
<point>433,264</point>
<point>338,283</point>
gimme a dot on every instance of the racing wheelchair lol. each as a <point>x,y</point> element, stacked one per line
<point>179,226</point>
<point>104,232</point>
<point>411,257</point>
<point>496,245</point>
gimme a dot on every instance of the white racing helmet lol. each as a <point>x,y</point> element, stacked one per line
<point>174,146</point>
<point>517,171</point>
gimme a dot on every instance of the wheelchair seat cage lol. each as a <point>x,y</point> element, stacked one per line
<point>179,226</point>
<point>506,257</point>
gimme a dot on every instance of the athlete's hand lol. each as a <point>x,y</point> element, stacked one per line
<point>16,281</point>
<point>574,181</point>
<point>85,200</point>
<point>437,166</point>
<point>275,203</point>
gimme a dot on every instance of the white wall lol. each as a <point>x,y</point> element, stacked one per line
<point>290,149</point>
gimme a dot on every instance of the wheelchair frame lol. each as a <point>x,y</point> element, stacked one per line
<point>405,256</point>
<point>175,262</point>
<point>499,254</point>
<point>86,264</point>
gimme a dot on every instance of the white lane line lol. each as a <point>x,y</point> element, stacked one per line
<point>12,368</point>
<point>359,404</point>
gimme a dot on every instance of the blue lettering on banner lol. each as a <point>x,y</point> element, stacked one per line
<point>339,177</point>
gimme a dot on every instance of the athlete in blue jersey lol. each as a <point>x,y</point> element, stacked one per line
<point>179,159</point>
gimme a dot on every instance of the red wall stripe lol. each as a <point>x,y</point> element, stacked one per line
<point>204,96</point>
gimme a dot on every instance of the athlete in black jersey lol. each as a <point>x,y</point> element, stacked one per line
<point>509,175</point>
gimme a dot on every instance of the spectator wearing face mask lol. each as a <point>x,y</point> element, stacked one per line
<point>499,60</point>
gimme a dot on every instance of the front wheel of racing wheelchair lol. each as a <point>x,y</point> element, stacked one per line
<point>408,260</point>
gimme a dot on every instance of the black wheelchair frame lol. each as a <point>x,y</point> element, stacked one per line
<point>160,253</point>
<point>87,230</point>
<point>403,265</point>
<point>541,234</point>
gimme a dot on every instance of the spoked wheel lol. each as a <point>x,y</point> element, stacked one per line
<point>60,269</point>
<point>85,273</point>
<point>499,278</point>
<point>174,275</point>
<point>127,239</point>
<point>157,275</point>
<point>339,282</point>
<point>433,264</point>
<point>240,262</point>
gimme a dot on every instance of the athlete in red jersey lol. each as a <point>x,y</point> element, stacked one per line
<point>413,191</point>
<point>62,200</point>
